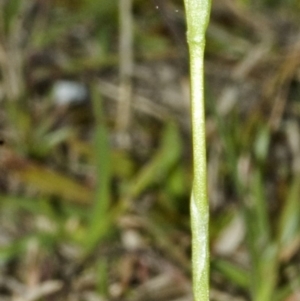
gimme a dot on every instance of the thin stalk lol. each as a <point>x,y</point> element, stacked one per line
<point>101,219</point>
<point>197,15</point>
<point>126,69</point>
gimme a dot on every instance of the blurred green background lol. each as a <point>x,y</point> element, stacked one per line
<point>95,168</point>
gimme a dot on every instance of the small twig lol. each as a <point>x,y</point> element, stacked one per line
<point>140,103</point>
<point>126,66</point>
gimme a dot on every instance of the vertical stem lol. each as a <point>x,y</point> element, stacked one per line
<point>125,66</point>
<point>197,15</point>
<point>100,221</point>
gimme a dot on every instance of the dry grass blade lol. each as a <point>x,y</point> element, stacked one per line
<point>126,67</point>
<point>44,180</point>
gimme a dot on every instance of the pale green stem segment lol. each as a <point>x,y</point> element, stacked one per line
<point>197,15</point>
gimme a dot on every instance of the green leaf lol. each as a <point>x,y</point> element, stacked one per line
<point>160,165</point>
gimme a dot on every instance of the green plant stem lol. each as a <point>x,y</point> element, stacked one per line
<point>197,15</point>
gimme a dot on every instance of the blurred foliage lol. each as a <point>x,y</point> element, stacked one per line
<point>112,222</point>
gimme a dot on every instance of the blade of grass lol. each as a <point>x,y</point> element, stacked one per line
<point>261,148</point>
<point>100,219</point>
<point>45,180</point>
<point>289,224</point>
<point>232,272</point>
<point>160,165</point>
